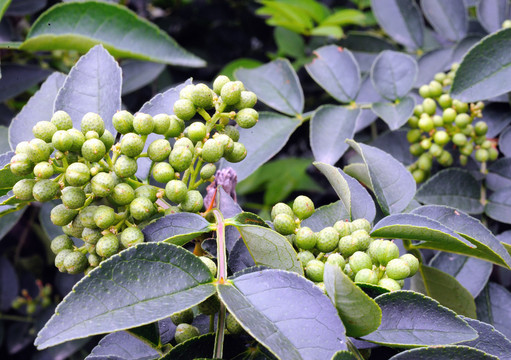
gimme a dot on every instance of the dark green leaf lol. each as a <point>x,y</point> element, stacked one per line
<point>392,184</point>
<point>445,289</point>
<point>357,202</point>
<point>93,85</point>
<point>9,286</point>
<point>401,19</point>
<point>18,78</point>
<point>269,248</point>
<point>4,140</point>
<point>365,48</point>
<point>498,206</point>
<point>285,313</point>
<point>499,174</point>
<point>287,15</point>
<point>480,74</point>
<point>359,172</point>
<point>289,43</point>
<point>202,347</point>
<point>149,333</point>
<point>490,340</point>
<point>329,127</point>
<point>395,143</point>
<point>127,291</point>
<point>344,355</point>
<point>246,218</point>
<point>493,307</point>
<point>336,70</point>
<point>504,139</point>
<point>81,25</point>
<point>488,247</point>
<point>448,18</point>
<point>453,187</point>
<point>122,345</point>
<point>470,272</point>
<point>449,352</point>
<point>276,84</point>
<point>395,114</point>
<point>372,290</point>
<point>136,74</point>
<point>359,313</point>
<point>393,74</point>
<point>491,14</point>
<point>326,215</point>
<point>410,319</point>
<point>176,228</point>
<point>4,4</point>
<point>7,178</point>
<point>263,142</point>
<point>431,63</point>
<point>345,17</point>
<point>38,108</point>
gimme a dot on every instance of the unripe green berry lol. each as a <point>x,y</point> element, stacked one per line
<point>60,215</point>
<point>23,189</point>
<point>147,191</point>
<point>186,143</point>
<point>207,171</point>
<point>143,124</point>
<point>107,139</point>
<point>180,158</point>
<point>424,91</point>
<point>367,276</point>
<point>210,306</point>
<point>43,170</point>
<point>411,261</point>
<point>480,128</point>
<point>449,115</point>
<point>327,240</point>
<point>459,106</point>
<point>445,158</point>
<point>343,228</point>
<point>429,106</point>
<point>281,208</point>
<point>175,191</point>
<point>91,135</point>
<point>74,229</point>
<point>86,216</point>
<point>184,109</point>
<point>467,149</point>
<point>44,130</point>
<point>125,166</point>
<point>314,270</point>
<point>413,135</point>
<point>482,155</point>
<point>386,251</point>
<point>176,127</point>
<point>232,132</point>
<point>435,89</point>
<point>304,257</point>
<point>303,207</point>
<point>186,92</point>
<point>102,184</point>
<point>426,123</point>
<point>131,236</point>
<point>419,175</point>
<point>233,325</point>
<point>59,259</point>
<point>75,262</point>
<point>425,162</point>
<point>212,151</point>
<point>192,202</point>
<point>107,246</point>
<point>397,269</point>
<point>142,208</point>
<point>163,172</point>
<point>61,120</point>
<point>38,150</point>
<point>185,332</point>
<point>416,149</point>
<point>132,145</point>
<point>45,190</point>
<point>284,224</point>
<point>238,153</point>
<point>123,194</point>
<point>182,317</point>
<point>305,238</point>
<point>78,140</point>
<point>389,284</point>
<point>219,83</point>
<point>435,150</point>
<point>231,92</point>
<point>248,99</point>
<point>349,272</point>
<point>197,131</point>
<point>104,217</point>
<point>94,122</point>
<point>161,124</point>
<point>60,243</point>
<point>372,250</point>
<point>123,121</point>
<point>360,260</point>
<point>362,239</point>
<point>493,153</point>
<point>413,122</point>
<point>247,118</point>
<point>21,165</point>
<point>91,236</point>
<point>337,260</point>
<point>202,96</point>
<point>94,260</point>
<point>459,139</point>
<point>159,150</point>
<point>445,101</point>
<point>210,264</point>
<point>93,150</point>
<point>62,140</point>
<point>462,120</point>
<point>361,224</point>
<point>441,137</point>
<point>347,246</point>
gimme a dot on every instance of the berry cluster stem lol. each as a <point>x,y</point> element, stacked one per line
<point>222,277</point>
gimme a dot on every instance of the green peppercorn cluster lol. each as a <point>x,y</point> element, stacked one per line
<point>42,300</point>
<point>103,202</point>
<point>347,245</point>
<point>441,123</point>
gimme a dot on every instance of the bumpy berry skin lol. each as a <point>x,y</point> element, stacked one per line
<point>107,139</point>
<point>75,262</point>
<point>180,158</point>
<point>132,145</point>
<point>159,150</point>
<point>386,251</point>
<point>389,284</point>
<point>86,216</point>
<point>212,151</point>
<point>91,135</point>
<point>62,140</point>
<point>161,123</point>
<point>247,118</point>
<point>143,124</point>
<point>45,190</point>
<point>183,317</point>
<point>38,150</point>
<point>303,207</point>
<point>91,236</point>
<point>44,130</point>
<point>210,306</point>
<point>59,259</point>
<point>347,246</point>
<point>343,228</point>
<point>176,127</point>
<point>60,215</point>
<point>233,325</point>
<point>281,208</point>
<point>141,208</point>
<point>123,121</point>
<point>77,174</point>
<point>314,270</point>
<point>232,132</point>
<point>92,122</point>
<point>207,171</point>
<point>337,260</point>
<point>186,92</point>
<point>21,165</point>
<point>125,166</point>
<point>192,202</point>
<point>175,191</point>
<point>104,217</point>
<point>397,269</point>
<point>231,92</point>
<point>210,264</point>
<point>197,131</point>
<point>219,83</point>
<point>238,153</point>
<point>75,228</point>
<point>362,239</point>
<point>248,99</point>
<point>107,246</point>
<point>284,224</point>
<point>305,238</point>
<point>61,120</point>
<point>366,276</point>
<point>147,191</point>
<point>78,139</point>
<point>186,143</point>
<point>226,141</point>
<point>328,239</point>
<point>122,194</point>
<point>184,109</point>
<point>23,189</point>
<point>360,260</point>
<point>185,332</point>
<point>412,262</point>
<point>202,96</point>
<point>163,172</point>
<point>60,243</point>
<point>361,224</point>
<point>304,257</point>
<point>131,236</point>
<point>94,260</point>
<point>93,150</point>
<point>102,184</point>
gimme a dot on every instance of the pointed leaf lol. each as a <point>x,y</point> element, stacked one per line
<point>449,352</point>
<point>81,25</point>
<point>490,340</point>
<point>275,84</point>
<point>359,313</point>
<point>498,206</point>
<point>4,4</point>
<point>38,108</point>
<point>401,19</point>
<point>493,307</point>
<point>176,228</point>
<point>445,289</point>
<point>393,74</point>
<point>447,18</point>
<point>491,14</point>
<point>93,85</point>
<point>201,348</point>
<point>453,187</point>
<point>480,74</point>
<point>326,215</point>
<point>395,114</point>
<point>262,142</point>
<point>410,319</point>
<point>470,272</point>
<point>285,313</point>
<point>18,78</point>
<point>393,185</point>
<point>127,291</point>
<point>269,248</point>
<point>122,345</point>
<point>137,74</point>
<point>329,127</point>
<point>395,144</point>
<point>488,247</point>
<point>336,70</point>
<point>499,174</point>
<point>356,200</point>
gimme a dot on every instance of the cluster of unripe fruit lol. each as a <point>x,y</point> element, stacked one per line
<point>347,245</point>
<point>441,122</point>
<point>33,304</point>
<point>103,202</point>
